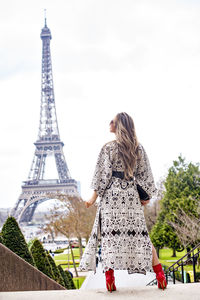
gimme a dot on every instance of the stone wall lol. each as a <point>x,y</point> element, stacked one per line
<point>18,275</point>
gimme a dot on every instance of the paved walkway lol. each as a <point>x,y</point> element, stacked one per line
<point>187,291</point>
<point>122,279</point>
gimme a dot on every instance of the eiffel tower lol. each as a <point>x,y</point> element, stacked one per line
<point>37,189</point>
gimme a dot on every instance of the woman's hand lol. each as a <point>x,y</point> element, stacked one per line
<point>92,200</point>
<point>145,202</point>
<point>88,203</point>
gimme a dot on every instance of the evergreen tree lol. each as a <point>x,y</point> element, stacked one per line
<point>182,192</point>
<point>57,275</point>
<point>69,284</point>
<point>156,236</point>
<point>70,280</point>
<point>64,277</point>
<point>41,259</point>
<point>182,185</point>
<point>14,240</point>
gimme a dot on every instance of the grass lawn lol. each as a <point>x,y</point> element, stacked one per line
<point>78,281</point>
<point>167,259</point>
<point>62,259</point>
<point>65,256</point>
<point>166,255</point>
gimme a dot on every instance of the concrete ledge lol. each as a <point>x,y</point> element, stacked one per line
<point>188,291</point>
<point>18,275</point>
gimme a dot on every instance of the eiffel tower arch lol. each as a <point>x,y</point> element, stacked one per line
<point>36,189</point>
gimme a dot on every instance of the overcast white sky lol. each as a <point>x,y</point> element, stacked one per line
<point>108,56</point>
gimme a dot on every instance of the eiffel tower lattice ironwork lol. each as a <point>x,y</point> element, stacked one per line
<point>37,189</point>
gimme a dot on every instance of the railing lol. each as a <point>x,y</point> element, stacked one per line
<point>170,272</point>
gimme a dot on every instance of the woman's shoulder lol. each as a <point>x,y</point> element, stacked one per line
<point>110,145</point>
<point>142,152</point>
<point>140,147</point>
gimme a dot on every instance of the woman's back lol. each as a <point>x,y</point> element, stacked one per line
<point>109,161</point>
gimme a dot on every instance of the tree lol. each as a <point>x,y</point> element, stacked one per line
<point>57,276</point>
<point>41,259</point>
<point>48,228</point>
<point>63,225</point>
<point>152,210</point>
<point>71,218</point>
<point>13,239</point>
<point>156,235</point>
<point>70,280</point>
<point>69,284</point>
<point>182,184</point>
<point>187,227</point>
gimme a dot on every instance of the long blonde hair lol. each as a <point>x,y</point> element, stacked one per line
<point>127,142</point>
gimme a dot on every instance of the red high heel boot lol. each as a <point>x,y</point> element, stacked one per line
<point>110,280</point>
<point>160,276</point>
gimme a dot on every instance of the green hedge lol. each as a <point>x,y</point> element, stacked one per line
<point>57,276</point>
<point>69,284</point>
<point>13,239</point>
<point>41,259</point>
<point>70,280</point>
<point>58,251</point>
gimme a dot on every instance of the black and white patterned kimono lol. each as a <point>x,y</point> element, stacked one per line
<point>120,225</point>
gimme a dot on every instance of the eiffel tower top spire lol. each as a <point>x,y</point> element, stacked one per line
<point>45,30</point>
<point>45,18</point>
<point>48,128</point>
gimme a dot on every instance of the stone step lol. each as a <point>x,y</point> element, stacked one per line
<point>188,291</point>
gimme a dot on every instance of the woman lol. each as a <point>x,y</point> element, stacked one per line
<point>120,224</point>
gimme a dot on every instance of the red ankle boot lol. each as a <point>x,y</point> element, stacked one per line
<point>110,280</point>
<point>160,276</point>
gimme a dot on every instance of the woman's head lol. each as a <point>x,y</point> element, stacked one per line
<point>124,129</point>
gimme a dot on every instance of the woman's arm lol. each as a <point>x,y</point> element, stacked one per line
<point>92,200</point>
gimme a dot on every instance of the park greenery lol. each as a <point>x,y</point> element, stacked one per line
<point>41,259</point>
<point>71,218</point>
<point>69,284</point>
<point>55,270</point>
<point>12,237</point>
<point>178,219</point>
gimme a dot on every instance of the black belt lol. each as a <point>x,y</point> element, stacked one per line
<point>120,175</point>
<point>143,195</point>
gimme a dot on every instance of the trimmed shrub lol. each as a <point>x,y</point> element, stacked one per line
<point>57,275</point>
<point>58,251</point>
<point>70,280</point>
<point>14,240</point>
<point>62,272</point>
<point>69,284</point>
<point>41,259</point>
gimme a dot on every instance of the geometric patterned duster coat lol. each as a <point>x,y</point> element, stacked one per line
<point>120,224</point>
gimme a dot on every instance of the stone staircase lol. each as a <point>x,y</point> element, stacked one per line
<point>189,291</point>
<point>18,275</point>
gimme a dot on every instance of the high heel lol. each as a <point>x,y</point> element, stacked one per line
<point>160,276</point>
<point>110,280</point>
